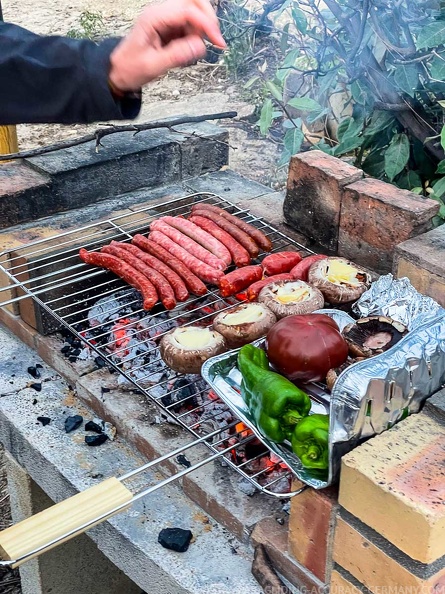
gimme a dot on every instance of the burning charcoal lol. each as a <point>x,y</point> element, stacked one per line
<point>72,423</point>
<point>95,440</point>
<point>35,386</point>
<point>246,487</point>
<point>34,372</point>
<point>92,426</point>
<point>175,539</point>
<point>181,459</point>
<point>44,420</point>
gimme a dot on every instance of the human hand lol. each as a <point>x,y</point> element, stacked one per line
<point>165,36</point>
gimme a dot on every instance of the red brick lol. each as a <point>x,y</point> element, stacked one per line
<point>311,522</point>
<point>375,217</point>
<point>314,195</point>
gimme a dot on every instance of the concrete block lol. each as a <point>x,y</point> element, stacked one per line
<point>18,327</point>
<point>229,185</point>
<point>394,483</point>
<point>314,195</point>
<point>204,148</point>
<point>375,217</point>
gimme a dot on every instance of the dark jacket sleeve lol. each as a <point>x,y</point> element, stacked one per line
<point>57,80</point>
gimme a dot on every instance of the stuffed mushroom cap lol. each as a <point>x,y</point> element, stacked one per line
<point>340,280</point>
<point>184,349</point>
<point>287,298</point>
<point>244,323</point>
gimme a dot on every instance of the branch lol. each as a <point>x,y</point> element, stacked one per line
<point>102,132</point>
<point>391,106</point>
<point>265,575</point>
<point>361,33</point>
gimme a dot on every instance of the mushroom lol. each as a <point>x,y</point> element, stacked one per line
<point>245,323</point>
<point>184,349</point>
<point>332,375</point>
<point>373,335</point>
<point>287,298</point>
<point>340,280</point>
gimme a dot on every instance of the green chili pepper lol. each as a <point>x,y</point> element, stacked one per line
<point>310,441</point>
<point>276,404</point>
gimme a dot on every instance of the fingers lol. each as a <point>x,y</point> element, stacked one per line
<point>179,52</point>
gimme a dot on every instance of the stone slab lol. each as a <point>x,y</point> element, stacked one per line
<point>229,185</point>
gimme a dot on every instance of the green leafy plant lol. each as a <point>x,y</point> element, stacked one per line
<point>368,77</point>
<point>91,26</point>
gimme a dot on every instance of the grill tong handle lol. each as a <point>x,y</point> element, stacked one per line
<point>62,521</point>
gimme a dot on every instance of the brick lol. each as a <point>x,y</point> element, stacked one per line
<point>18,327</point>
<point>424,281</point>
<point>376,569</point>
<point>312,518</point>
<point>341,585</point>
<point>395,484</point>
<point>375,217</point>
<point>314,195</point>
<point>274,537</point>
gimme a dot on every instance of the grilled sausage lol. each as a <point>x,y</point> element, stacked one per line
<point>192,282</point>
<point>254,290</point>
<point>188,244</point>
<point>258,236</point>
<point>178,285</point>
<point>162,285</point>
<point>125,272</point>
<point>280,262</point>
<point>201,236</point>
<point>239,279</point>
<point>241,236</point>
<point>198,267</point>
<point>301,270</point>
<point>239,254</point>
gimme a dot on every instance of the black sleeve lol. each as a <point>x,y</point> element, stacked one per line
<point>57,80</point>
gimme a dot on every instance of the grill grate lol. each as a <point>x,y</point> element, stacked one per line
<point>51,273</point>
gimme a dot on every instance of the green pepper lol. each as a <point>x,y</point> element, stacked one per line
<point>276,404</point>
<point>310,441</point>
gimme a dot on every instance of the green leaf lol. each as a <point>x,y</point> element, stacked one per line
<point>348,145</point>
<point>325,147</point>
<point>397,155</point>
<point>300,19</point>
<point>359,92</point>
<point>408,180</point>
<point>274,90</point>
<point>266,116</point>
<point>285,158</point>
<point>407,78</point>
<point>437,68</point>
<point>380,121</point>
<point>441,212</point>
<point>374,165</point>
<point>442,137</point>
<point>431,35</point>
<point>293,140</point>
<point>439,187</point>
<point>343,126</point>
<point>304,104</point>
<point>441,167</point>
<point>290,58</point>
<point>315,115</point>
<point>284,41</point>
<point>251,82</point>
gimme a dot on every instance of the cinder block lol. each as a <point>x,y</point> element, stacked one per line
<point>375,217</point>
<point>204,148</point>
<point>395,484</point>
<point>314,195</point>
<point>311,528</point>
<point>378,569</point>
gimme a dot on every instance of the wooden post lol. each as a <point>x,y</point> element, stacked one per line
<point>8,140</point>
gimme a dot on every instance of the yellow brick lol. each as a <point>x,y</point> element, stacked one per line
<point>374,568</point>
<point>395,483</point>
<point>340,585</point>
<point>423,280</point>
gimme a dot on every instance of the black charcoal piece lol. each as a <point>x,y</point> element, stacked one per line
<point>95,440</point>
<point>181,459</point>
<point>72,423</point>
<point>39,366</point>
<point>36,387</point>
<point>34,371</point>
<point>105,390</point>
<point>35,401</point>
<point>44,420</point>
<point>72,358</point>
<point>76,352</point>
<point>100,362</point>
<point>92,426</point>
<point>175,539</point>
<point>65,349</point>
<point>76,343</point>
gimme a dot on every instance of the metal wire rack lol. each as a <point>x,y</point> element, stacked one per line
<point>50,272</point>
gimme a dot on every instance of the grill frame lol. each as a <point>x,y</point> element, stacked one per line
<point>123,227</point>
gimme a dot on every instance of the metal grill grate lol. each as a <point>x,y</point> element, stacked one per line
<point>51,273</point>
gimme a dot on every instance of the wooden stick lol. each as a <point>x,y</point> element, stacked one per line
<point>8,141</point>
<point>265,575</point>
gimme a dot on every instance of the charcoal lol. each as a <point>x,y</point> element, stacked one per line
<point>76,344</point>
<point>72,358</point>
<point>181,459</point>
<point>105,390</point>
<point>246,487</point>
<point>72,423</point>
<point>65,349</point>
<point>76,352</point>
<point>92,426</point>
<point>100,362</point>
<point>34,402</point>
<point>35,386</point>
<point>39,366</point>
<point>175,539</point>
<point>95,440</point>
<point>44,420</point>
<point>34,371</point>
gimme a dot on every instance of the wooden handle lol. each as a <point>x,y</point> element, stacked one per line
<point>52,523</point>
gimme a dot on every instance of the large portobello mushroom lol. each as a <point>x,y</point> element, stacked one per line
<point>286,298</point>
<point>340,280</point>
<point>185,349</point>
<point>374,335</point>
<point>243,324</point>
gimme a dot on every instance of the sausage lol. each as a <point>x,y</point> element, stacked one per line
<point>239,279</point>
<point>254,290</point>
<point>239,254</point>
<point>178,285</point>
<point>188,244</point>
<point>162,285</point>
<point>202,270</point>
<point>241,236</point>
<point>258,236</point>
<point>207,240</point>
<point>280,262</point>
<point>301,270</point>
<point>192,282</point>
<point>125,272</point>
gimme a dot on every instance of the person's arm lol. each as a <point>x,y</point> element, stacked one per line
<point>58,80</point>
